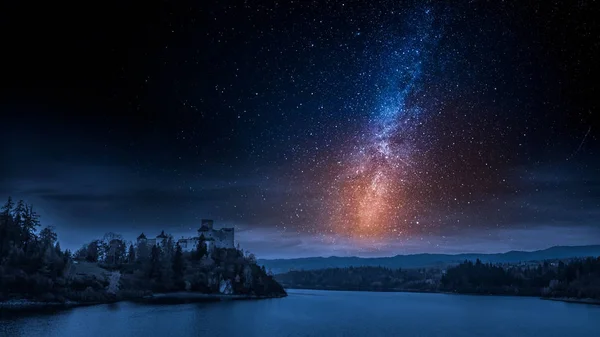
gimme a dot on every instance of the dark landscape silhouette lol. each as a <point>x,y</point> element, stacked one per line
<point>33,267</point>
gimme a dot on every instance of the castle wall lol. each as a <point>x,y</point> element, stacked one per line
<point>222,238</point>
<point>188,244</point>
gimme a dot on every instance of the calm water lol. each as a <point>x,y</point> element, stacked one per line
<point>322,313</point>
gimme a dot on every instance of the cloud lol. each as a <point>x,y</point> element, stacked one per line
<point>85,201</point>
<point>534,198</point>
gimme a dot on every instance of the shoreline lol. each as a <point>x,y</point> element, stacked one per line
<point>556,299</point>
<point>185,297</point>
<point>17,305</point>
<point>24,305</point>
<point>573,300</point>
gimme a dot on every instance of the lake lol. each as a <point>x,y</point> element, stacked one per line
<point>321,313</point>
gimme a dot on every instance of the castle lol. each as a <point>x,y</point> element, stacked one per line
<point>213,238</point>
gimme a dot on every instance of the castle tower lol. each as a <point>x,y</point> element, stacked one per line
<point>141,238</point>
<point>161,239</point>
<point>162,235</point>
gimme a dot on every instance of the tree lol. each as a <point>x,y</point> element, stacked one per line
<point>117,252</point>
<point>30,223</point>
<point>178,265</point>
<point>48,237</point>
<point>251,258</point>
<point>8,208</point>
<point>6,226</point>
<point>11,232</point>
<point>92,251</point>
<point>67,254</point>
<point>131,254</point>
<point>112,248</point>
<point>53,264</point>
<point>19,213</point>
<point>166,266</point>
<point>201,249</point>
<point>142,252</point>
<point>81,253</point>
<point>154,271</point>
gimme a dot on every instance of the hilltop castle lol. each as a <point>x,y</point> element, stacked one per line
<point>213,238</point>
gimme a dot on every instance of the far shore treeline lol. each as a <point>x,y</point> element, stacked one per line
<point>577,278</point>
<point>34,267</point>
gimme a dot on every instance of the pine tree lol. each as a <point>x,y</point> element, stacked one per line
<point>178,264</point>
<point>92,251</point>
<point>19,215</point>
<point>30,223</point>
<point>6,224</point>
<point>48,236</point>
<point>68,255</point>
<point>201,249</point>
<point>8,208</point>
<point>142,252</point>
<point>155,262</point>
<point>19,211</point>
<point>131,254</point>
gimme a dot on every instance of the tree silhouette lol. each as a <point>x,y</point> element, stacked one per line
<point>131,254</point>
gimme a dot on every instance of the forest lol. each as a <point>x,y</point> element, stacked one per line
<point>33,266</point>
<point>576,278</point>
<point>361,279</point>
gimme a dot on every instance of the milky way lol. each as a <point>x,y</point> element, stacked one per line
<point>313,127</point>
<point>373,199</point>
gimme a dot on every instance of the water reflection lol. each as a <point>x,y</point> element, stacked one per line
<point>319,313</point>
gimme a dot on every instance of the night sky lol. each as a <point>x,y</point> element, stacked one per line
<point>316,128</point>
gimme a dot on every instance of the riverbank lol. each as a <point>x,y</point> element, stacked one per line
<point>385,290</point>
<point>428,291</point>
<point>573,300</point>
<point>26,305</point>
<point>187,297</point>
<point>160,298</point>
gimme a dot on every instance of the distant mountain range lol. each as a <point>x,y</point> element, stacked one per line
<point>278,266</point>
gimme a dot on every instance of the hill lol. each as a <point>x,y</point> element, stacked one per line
<point>35,270</point>
<point>278,266</point>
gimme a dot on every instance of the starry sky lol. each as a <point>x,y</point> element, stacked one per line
<point>315,128</point>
